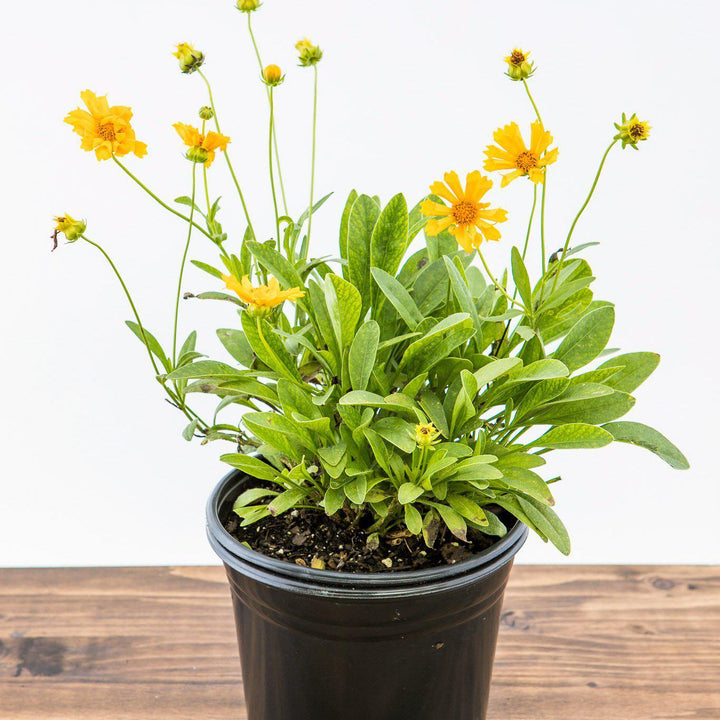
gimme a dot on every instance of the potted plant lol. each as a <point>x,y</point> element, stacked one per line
<point>389,410</point>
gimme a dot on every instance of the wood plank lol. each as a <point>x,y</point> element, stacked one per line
<point>578,642</point>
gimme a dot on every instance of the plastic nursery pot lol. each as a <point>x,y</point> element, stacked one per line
<point>328,645</point>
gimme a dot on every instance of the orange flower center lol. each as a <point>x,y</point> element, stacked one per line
<point>526,161</point>
<point>465,212</point>
<point>517,57</point>
<point>637,131</point>
<point>107,131</point>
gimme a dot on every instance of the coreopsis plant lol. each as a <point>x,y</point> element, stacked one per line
<point>401,384</point>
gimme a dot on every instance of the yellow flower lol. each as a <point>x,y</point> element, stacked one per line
<point>105,129</point>
<point>514,155</point>
<point>426,435</point>
<point>272,75</point>
<point>519,67</point>
<point>468,219</point>
<point>309,54</point>
<point>632,131</point>
<point>261,299</point>
<point>202,147</point>
<point>189,58</point>
<point>72,229</point>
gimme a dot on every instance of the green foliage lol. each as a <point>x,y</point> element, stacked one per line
<point>333,401</point>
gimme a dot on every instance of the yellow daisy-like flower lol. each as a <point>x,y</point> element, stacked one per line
<point>632,131</point>
<point>105,129</point>
<point>202,146</point>
<point>519,67</point>
<point>514,155</point>
<point>426,435</point>
<point>468,219</point>
<point>261,299</point>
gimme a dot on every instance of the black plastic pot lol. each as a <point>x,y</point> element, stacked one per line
<point>328,645</point>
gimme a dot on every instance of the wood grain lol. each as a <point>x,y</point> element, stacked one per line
<point>576,642</point>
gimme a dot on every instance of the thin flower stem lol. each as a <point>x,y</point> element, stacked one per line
<point>497,284</point>
<point>225,153</point>
<point>312,170</point>
<point>580,212</point>
<point>530,221</point>
<point>275,140</point>
<point>158,200</point>
<point>129,298</point>
<point>272,175</point>
<point>182,271</point>
<point>529,94</point>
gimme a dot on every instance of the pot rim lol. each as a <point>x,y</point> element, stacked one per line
<point>339,583</point>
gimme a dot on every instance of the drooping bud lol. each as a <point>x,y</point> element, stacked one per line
<point>519,67</point>
<point>248,6</point>
<point>206,113</point>
<point>308,54</point>
<point>632,131</point>
<point>197,154</point>
<point>72,229</point>
<point>272,75</point>
<point>189,58</point>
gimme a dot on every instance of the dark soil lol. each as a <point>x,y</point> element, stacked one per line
<point>312,539</point>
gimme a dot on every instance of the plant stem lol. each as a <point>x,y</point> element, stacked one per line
<point>312,170</point>
<point>272,177</point>
<point>582,209</point>
<point>497,284</point>
<point>227,156</point>
<point>529,94</point>
<point>530,220</point>
<point>158,200</point>
<point>129,298</point>
<point>275,140</point>
<point>182,270</point>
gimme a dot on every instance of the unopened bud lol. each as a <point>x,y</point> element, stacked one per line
<point>197,154</point>
<point>248,6</point>
<point>206,113</point>
<point>272,75</point>
<point>309,54</point>
<point>188,57</point>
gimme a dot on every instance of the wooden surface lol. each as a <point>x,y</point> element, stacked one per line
<point>576,643</point>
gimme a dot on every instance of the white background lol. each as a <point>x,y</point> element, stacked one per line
<point>94,470</point>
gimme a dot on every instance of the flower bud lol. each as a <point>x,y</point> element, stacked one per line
<point>309,54</point>
<point>426,435</point>
<point>197,154</point>
<point>206,113</point>
<point>248,6</point>
<point>272,75</point>
<point>72,229</point>
<point>519,67</point>
<point>632,131</point>
<point>189,58</point>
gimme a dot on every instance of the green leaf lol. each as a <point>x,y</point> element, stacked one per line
<point>286,500</point>
<point>586,339</point>
<point>650,439</point>
<point>277,264</point>
<point>151,341</point>
<point>189,432</point>
<point>390,236</point>
<point>334,500</point>
<point>363,216</point>
<point>251,466</point>
<point>593,411</point>
<point>433,408</point>
<point>437,343</point>
<point>268,347</point>
<point>574,435</point>
<point>363,353</point>
<point>520,277</point>
<point>356,490</point>
<point>396,431</point>
<point>362,397</point>
<point>344,226</point>
<point>546,369</point>
<point>413,519</point>
<point>344,305</point>
<point>462,293</point>
<point>453,520</point>
<point>235,342</point>
<point>547,522</point>
<point>206,369</point>
<point>540,393</point>
<point>280,432</point>
<point>636,368</point>
<point>208,269</point>
<point>469,509</point>
<point>495,369</point>
<point>396,293</point>
<point>409,492</point>
<point>250,496</point>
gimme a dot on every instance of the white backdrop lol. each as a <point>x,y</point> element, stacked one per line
<point>94,470</point>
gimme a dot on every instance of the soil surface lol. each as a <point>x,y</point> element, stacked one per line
<point>312,539</point>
